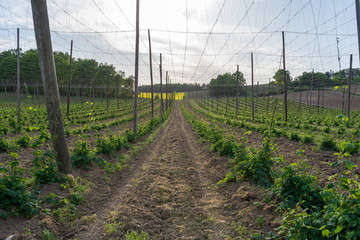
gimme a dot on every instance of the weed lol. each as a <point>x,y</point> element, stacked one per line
<point>47,235</point>
<point>260,221</point>
<point>113,227</point>
<point>133,235</point>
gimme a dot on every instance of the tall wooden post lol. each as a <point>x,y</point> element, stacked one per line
<point>48,75</point>
<point>257,94</point>
<point>151,78</point>
<point>18,76</point>
<point>227,95</point>
<point>300,99</point>
<point>107,91</point>
<point>136,67</point>
<point>349,86</point>
<point>268,99</point>
<point>357,6</point>
<point>318,97</point>
<point>166,90</point>
<point>161,92</point>
<point>69,82</point>
<point>252,87</point>
<point>311,88</point>
<point>237,90</point>
<point>285,80</point>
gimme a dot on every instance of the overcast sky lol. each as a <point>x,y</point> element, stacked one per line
<point>199,39</point>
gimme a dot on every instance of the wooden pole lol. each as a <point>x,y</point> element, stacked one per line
<point>161,92</point>
<point>252,87</point>
<point>357,6</point>
<point>300,99</point>
<point>318,99</point>
<point>107,91</point>
<point>18,76</point>
<point>69,82</point>
<point>311,89</point>
<point>349,86</point>
<point>285,80</point>
<point>48,75</point>
<point>268,99</point>
<point>136,67</point>
<point>257,94</point>
<point>151,78</point>
<point>227,95</point>
<point>166,90</point>
<point>237,89</point>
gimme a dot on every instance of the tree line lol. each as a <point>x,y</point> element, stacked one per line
<point>225,84</point>
<point>88,77</point>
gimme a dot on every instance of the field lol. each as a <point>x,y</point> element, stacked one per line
<point>204,172</point>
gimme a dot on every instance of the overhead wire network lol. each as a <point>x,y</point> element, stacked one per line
<point>209,38</point>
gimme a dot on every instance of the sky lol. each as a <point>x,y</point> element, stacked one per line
<point>198,39</point>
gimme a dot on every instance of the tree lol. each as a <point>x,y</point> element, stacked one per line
<point>226,83</point>
<point>318,78</point>
<point>29,67</point>
<point>279,77</point>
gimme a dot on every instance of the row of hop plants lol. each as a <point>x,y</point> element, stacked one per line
<point>20,193</point>
<point>325,143</point>
<point>310,211</point>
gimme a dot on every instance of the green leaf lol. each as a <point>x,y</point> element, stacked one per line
<point>338,229</point>
<point>326,233</point>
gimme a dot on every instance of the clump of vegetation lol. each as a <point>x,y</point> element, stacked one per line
<point>24,141</point>
<point>129,135</point>
<point>254,165</point>
<point>338,215</point>
<point>328,143</point>
<point>293,188</point>
<point>45,169</point>
<point>4,145</point>
<point>104,145</point>
<point>308,139</point>
<point>133,235</point>
<point>83,156</point>
<point>15,198</point>
<point>294,136</point>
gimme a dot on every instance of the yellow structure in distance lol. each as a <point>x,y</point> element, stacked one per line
<point>178,96</point>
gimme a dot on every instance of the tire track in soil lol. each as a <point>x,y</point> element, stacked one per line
<point>167,193</point>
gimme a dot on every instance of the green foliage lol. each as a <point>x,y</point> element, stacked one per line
<point>308,139</point>
<point>129,136</point>
<point>293,188</point>
<point>104,145</point>
<point>83,156</point>
<point>45,168</point>
<point>227,147</point>
<point>4,146</point>
<point>14,195</point>
<point>133,235</point>
<point>257,167</point>
<point>328,143</point>
<point>47,235</point>
<point>295,136</point>
<point>339,216</point>
<point>67,213</point>
<point>24,141</point>
<point>4,129</point>
<point>349,147</point>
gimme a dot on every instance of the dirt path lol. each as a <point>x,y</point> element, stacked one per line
<point>167,194</point>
